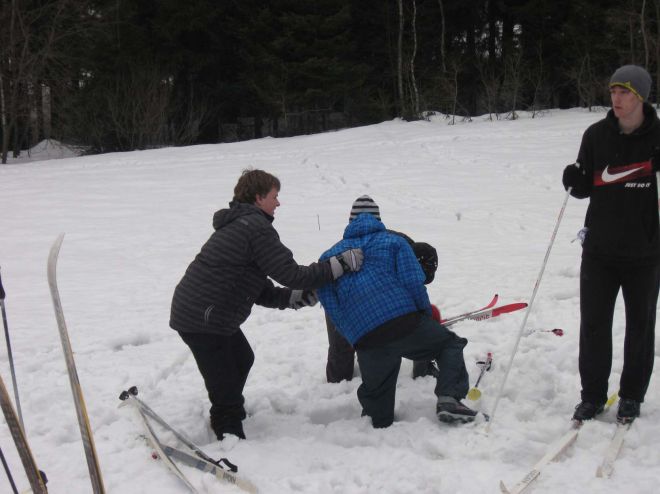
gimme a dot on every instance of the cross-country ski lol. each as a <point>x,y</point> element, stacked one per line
<point>466,315</point>
<point>484,314</point>
<point>84,425</point>
<point>554,451</point>
<point>487,312</point>
<point>606,467</point>
<point>557,449</point>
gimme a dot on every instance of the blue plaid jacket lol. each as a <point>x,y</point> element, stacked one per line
<point>390,283</point>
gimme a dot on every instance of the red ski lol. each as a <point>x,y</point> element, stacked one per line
<point>486,313</point>
<point>452,320</point>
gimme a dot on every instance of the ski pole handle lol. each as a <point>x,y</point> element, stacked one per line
<point>486,363</point>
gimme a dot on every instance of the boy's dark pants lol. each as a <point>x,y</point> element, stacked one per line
<point>341,358</point>
<point>224,362</point>
<point>341,355</point>
<point>380,368</point>
<point>599,286</point>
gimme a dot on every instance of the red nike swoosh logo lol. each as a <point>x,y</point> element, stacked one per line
<point>613,177</point>
<point>621,174</point>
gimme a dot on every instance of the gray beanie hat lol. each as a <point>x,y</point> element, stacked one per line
<point>633,78</point>
<point>364,204</point>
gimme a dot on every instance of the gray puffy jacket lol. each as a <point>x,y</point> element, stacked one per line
<point>230,274</point>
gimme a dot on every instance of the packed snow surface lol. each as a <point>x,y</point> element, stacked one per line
<point>486,194</point>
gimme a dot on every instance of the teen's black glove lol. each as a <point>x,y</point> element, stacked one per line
<point>655,159</point>
<point>302,298</point>
<point>573,177</point>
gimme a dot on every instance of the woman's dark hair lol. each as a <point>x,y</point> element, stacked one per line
<point>254,183</point>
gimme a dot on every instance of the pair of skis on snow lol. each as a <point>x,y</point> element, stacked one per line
<point>487,312</point>
<point>222,469</point>
<point>561,445</point>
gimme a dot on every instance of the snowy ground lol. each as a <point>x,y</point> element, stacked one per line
<point>485,194</point>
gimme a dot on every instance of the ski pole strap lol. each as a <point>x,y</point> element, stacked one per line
<point>485,366</point>
<point>486,363</point>
<point>227,465</point>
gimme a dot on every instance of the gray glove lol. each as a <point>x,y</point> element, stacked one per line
<point>349,260</point>
<point>302,298</point>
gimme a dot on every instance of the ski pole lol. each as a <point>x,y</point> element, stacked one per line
<point>474,394</point>
<point>35,476</point>
<point>529,307</point>
<point>9,477</point>
<point>657,186</point>
<point>9,354</point>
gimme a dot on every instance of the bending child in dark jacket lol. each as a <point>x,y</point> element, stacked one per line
<point>231,274</point>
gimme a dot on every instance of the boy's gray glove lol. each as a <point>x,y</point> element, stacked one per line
<point>302,298</point>
<point>349,260</point>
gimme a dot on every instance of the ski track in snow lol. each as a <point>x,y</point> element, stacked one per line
<point>485,194</point>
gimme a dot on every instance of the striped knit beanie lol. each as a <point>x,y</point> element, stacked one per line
<point>634,78</point>
<point>364,204</point>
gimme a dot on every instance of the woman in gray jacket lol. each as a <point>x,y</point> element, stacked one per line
<point>229,275</point>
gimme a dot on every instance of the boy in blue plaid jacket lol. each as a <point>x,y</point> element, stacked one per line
<point>385,314</point>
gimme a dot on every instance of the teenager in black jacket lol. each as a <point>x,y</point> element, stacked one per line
<point>621,248</point>
<point>231,274</point>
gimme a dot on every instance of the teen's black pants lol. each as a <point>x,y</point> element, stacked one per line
<point>224,362</point>
<point>600,283</point>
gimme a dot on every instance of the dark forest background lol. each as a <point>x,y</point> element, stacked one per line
<point>114,75</point>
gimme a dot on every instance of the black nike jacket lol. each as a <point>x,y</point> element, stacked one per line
<point>622,217</point>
